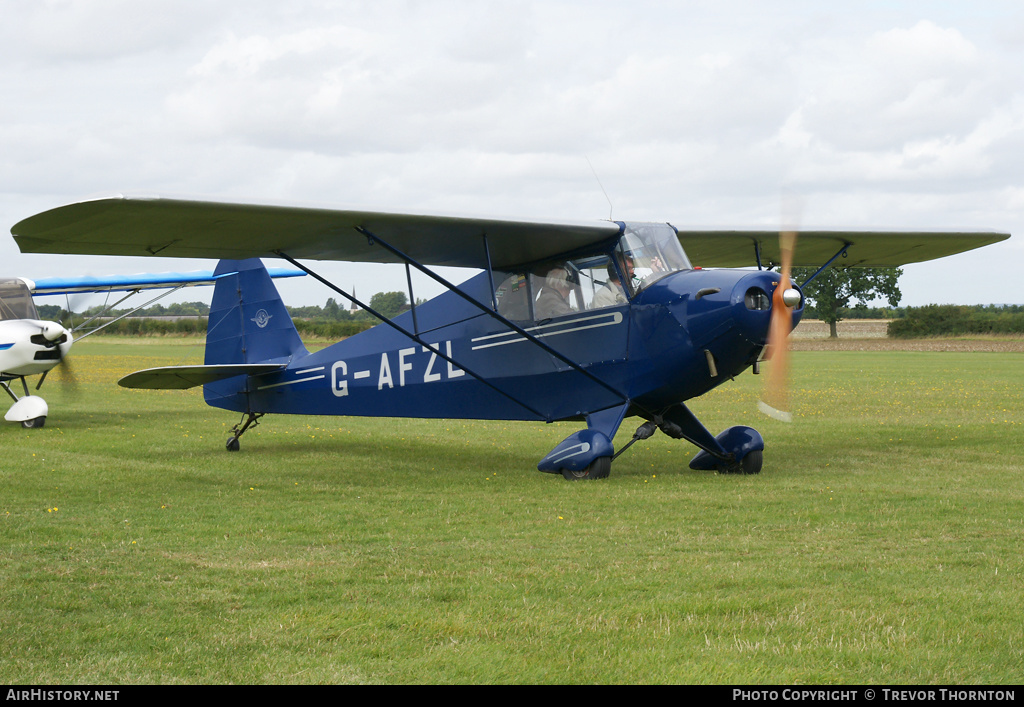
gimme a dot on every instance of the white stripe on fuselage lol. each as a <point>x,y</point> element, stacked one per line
<point>610,319</point>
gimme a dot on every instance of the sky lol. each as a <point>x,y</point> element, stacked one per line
<point>872,114</point>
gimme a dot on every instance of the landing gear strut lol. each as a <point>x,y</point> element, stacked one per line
<point>238,430</point>
<point>737,450</point>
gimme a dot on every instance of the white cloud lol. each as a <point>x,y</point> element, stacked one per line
<point>878,92</point>
<point>702,113</point>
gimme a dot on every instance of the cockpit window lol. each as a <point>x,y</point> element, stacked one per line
<point>645,253</point>
<point>16,300</point>
<point>649,252</point>
<point>513,296</point>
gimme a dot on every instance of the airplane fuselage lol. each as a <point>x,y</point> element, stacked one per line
<point>678,338</point>
<point>31,346</point>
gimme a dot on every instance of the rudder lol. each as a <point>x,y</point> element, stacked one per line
<point>248,321</point>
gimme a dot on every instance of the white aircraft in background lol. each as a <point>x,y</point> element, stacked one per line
<point>30,346</point>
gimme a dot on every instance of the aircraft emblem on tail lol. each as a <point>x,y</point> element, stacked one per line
<point>262,318</point>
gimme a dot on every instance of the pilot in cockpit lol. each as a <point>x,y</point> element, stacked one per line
<point>613,294</point>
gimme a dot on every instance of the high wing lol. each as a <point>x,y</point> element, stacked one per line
<point>738,248</point>
<point>132,283</point>
<point>123,225</point>
<point>178,228</point>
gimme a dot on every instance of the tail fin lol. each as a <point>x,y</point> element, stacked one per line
<point>248,321</point>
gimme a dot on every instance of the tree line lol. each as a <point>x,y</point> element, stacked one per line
<point>835,295</point>
<point>390,304</point>
<point>331,321</point>
<point>830,296</point>
<point>957,320</point>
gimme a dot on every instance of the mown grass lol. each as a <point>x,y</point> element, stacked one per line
<point>881,543</point>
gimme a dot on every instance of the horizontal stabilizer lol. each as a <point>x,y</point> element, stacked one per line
<point>182,377</point>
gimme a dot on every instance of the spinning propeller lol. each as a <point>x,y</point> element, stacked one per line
<point>55,335</point>
<point>65,375</point>
<point>775,401</point>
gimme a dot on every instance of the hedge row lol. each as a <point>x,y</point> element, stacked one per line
<point>331,330</point>
<point>144,326</point>
<point>955,320</point>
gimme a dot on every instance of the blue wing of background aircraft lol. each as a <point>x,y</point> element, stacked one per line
<point>140,281</point>
<point>130,284</point>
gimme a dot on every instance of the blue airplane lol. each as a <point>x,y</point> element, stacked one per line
<point>594,322</point>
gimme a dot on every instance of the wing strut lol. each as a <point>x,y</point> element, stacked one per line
<point>490,274</point>
<point>490,312</point>
<point>412,335</point>
<point>412,299</point>
<point>842,252</point>
<point>108,308</point>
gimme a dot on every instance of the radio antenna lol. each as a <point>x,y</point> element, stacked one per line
<point>610,206</point>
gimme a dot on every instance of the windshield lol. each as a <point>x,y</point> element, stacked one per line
<point>16,300</point>
<point>650,251</point>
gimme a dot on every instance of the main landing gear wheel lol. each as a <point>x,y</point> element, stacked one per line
<point>750,464</point>
<point>34,423</point>
<point>600,468</point>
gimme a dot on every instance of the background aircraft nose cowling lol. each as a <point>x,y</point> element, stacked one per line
<point>52,331</point>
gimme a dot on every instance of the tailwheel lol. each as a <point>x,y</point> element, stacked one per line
<point>233,445</point>
<point>600,468</point>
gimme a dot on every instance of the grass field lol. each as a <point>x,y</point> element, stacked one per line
<point>880,544</point>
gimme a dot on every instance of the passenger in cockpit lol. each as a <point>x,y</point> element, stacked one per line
<point>554,296</point>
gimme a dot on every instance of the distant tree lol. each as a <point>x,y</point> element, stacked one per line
<point>50,312</point>
<point>187,309</point>
<point>389,304</point>
<point>332,312</point>
<point>833,290</point>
